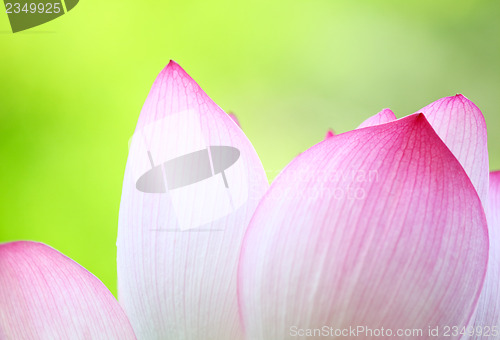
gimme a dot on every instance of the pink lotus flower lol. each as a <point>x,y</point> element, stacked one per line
<point>394,225</point>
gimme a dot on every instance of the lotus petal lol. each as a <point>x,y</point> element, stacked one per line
<point>46,295</point>
<point>235,119</point>
<point>384,116</point>
<point>462,127</point>
<point>377,227</point>
<point>488,309</point>
<point>192,183</point>
<point>329,133</point>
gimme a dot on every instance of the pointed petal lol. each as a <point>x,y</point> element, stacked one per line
<point>192,183</point>
<point>234,118</point>
<point>46,295</point>
<point>377,227</point>
<point>330,133</point>
<point>488,309</point>
<point>462,127</point>
<point>384,116</point>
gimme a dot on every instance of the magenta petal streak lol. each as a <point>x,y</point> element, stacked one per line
<point>377,227</point>
<point>46,295</point>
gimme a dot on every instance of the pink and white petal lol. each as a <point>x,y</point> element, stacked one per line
<point>46,295</point>
<point>180,232</point>
<point>384,116</point>
<point>377,227</point>
<point>462,127</point>
<point>488,309</point>
<point>234,118</point>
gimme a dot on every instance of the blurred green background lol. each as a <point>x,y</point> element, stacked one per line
<point>71,91</point>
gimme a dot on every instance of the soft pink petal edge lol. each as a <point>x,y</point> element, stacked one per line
<point>46,295</point>
<point>384,116</point>
<point>462,127</point>
<point>487,313</point>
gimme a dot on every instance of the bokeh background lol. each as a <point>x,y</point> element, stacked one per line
<point>71,91</point>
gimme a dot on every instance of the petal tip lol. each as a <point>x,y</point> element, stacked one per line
<point>416,118</point>
<point>330,133</point>
<point>459,97</point>
<point>420,116</point>
<point>384,116</point>
<point>173,67</point>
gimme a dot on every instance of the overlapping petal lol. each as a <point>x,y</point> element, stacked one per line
<point>45,295</point>
<point>487,318</point>
<point>462,127</point>
<point>192,183</point>
<point>377,227</point>
<point>384,116</point>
